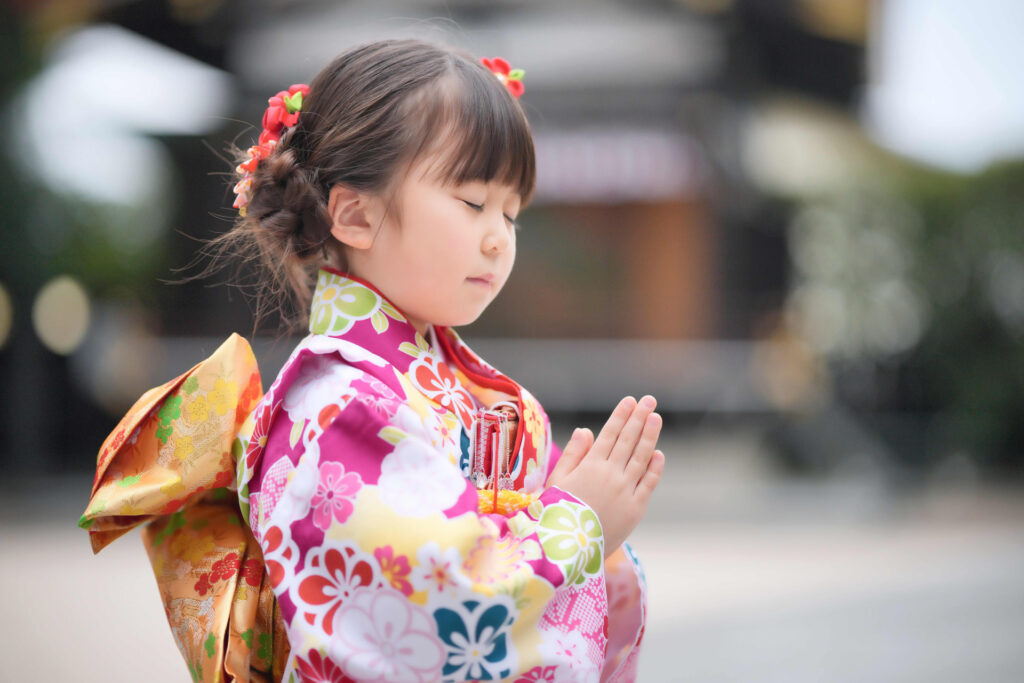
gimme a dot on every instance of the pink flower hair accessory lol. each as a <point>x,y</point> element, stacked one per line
<point>509,77</point>
<point>282,112</point>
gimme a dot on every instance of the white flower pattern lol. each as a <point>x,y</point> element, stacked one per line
<point>570,648</point>
<point>416,481</point>
<point>437,572</point>
<point>381,636</point>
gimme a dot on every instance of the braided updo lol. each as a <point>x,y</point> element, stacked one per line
<point>369,116</point>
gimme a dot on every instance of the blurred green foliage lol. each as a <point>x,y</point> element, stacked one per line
<point>911,283</point>
<point>970,262</point>
<point>48,233</point>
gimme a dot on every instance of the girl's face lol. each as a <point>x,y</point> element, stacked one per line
<point>451,254</point>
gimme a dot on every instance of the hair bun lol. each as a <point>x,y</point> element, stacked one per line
<point>286,201</point>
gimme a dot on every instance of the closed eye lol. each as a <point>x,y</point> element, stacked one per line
<point>511,221</point>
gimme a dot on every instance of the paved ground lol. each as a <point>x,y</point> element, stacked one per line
<point>753,577</point>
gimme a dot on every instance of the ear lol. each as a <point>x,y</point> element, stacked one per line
<point>352,217</point>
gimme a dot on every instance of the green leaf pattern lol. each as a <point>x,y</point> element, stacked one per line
<point>572,538</point>
<point>128,481</point>
<point>169,411</point>
<point>265,650</point>
<point>247,637</point>
<point>174,522</point>
<point>339,303</point>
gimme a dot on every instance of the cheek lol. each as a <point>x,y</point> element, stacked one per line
<point>508,260</point>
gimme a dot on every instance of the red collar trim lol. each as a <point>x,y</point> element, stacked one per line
<point>498,381</point>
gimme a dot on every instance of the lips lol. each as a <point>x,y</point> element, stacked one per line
<point>485,279</point>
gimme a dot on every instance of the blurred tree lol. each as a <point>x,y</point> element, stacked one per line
<point>912,285</point>
<point>971,265</point>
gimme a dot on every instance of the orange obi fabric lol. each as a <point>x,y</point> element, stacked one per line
<point>170,463</point>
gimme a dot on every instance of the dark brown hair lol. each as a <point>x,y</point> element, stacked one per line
<point>369,116</point>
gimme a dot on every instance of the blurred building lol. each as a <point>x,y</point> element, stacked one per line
<point>645,226</point>
<point>676,141</point>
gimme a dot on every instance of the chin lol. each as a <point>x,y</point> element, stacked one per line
<point>462,321</point>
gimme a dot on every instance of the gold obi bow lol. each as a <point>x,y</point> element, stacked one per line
<point>170,462</point>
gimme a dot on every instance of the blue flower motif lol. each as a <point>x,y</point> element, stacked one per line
<point>636,560</point>
<point>464,457</point>
<point>475,636</point>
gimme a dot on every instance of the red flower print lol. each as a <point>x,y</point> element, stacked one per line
<point>108,451</point>
<point>319,669</point>
<point>327,413</point>
<point>253,571</point>
<point>258,439</point>
<point>331,578</point>
<point>272,539</point>
<point>436,380</point>
<point>203,584</point>
<point>174,505</point>
<point>271,542</point>
<point>537,673</point>
<point>334,494</point>
<point>118,440</point>
<point>223,478</point>
<point>224,568</point>
<point>250,396</point>
<point>395,569</point>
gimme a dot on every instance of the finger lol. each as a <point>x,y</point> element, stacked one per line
<point>574,450</point>
<point>652,476</point>
<point>586,438</point>
<point>610,432</point>
<point>630,434</point>
<point>636,466</point>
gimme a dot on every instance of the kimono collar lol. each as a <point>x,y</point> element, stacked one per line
<point>352,310</point>
<point>347,307</point>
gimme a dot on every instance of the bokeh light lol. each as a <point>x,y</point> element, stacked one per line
<point>60,314</point>
<point>6,315</point>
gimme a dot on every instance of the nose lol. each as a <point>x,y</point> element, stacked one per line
<point>498,236</point>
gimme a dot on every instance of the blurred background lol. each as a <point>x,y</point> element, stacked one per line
<point>798,223</point>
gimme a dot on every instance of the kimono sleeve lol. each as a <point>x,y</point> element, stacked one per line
<point>382,564</point>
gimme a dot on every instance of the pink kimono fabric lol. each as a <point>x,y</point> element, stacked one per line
<point>353,472</point>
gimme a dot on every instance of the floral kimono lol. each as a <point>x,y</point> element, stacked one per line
<point>394,486</point>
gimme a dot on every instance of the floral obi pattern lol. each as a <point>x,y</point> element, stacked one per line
<point>169,464</point>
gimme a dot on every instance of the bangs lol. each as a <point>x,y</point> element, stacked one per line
<point>478,131</point>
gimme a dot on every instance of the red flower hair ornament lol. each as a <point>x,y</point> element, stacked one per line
<point>282,112</point>
<point>510,78</point>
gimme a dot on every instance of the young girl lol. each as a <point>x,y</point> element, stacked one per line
<point>401,512</point>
